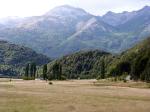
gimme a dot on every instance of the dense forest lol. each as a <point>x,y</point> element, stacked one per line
<point>14,57</point>
<point>15,60</point>
<point>135,61</point>
<point>83,64</point>
<point>92,64</point>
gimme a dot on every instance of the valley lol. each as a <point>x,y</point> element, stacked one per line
<point>71,60</point>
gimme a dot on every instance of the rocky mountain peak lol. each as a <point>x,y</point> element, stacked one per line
<point>66,10</point>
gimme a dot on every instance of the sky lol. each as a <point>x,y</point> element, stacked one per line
<point>24,8</point>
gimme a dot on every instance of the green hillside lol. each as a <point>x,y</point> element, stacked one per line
<point>88,64</point>
<point>83,64</point>
<point>137,59</point>
<point>13,57</point>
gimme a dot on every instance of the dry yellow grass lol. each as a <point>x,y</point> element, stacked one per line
<point>71,96</point>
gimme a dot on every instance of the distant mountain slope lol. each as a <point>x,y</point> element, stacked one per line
<point>137,22</point>
<point>116,19</point>
<point>50,33</point>
<point>14,56</point>
<point>139,25</point>
<point>66,29</point>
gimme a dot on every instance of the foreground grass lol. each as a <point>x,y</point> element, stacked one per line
<point>71,96</point>
<point>131,84</point>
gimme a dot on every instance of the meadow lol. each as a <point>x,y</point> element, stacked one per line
<point>72,96</point>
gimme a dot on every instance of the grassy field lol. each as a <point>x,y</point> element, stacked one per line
<point>71,96</point>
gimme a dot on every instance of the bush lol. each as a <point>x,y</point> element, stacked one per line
<point>123,77</point>
<point>124,80</point>
<point>50,83</point>
<point>63,77</point>
<point>28,78</point>
<point>98,78</point>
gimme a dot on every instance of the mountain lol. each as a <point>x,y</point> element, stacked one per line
<point>116,19</point>
<point>13,57</point>
<point>139,22</point>
<point>133,26</point>
<point>136,22</point>
<point>66,29</point>
<point>50,33</point>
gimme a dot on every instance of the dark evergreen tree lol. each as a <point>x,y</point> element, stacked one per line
<point>45,72</point>
<point>60,71</point>
<point>34,69</point>
<point>138,68</point>
<point>57,71</point>
<point>123,67</point>
<point>27,70</point>
<point>31,69</point>
<point>102,66</point>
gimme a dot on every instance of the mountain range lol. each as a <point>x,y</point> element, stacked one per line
<point>66,29</point>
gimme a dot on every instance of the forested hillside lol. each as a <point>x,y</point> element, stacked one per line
<point>83,64</point>
<point>14,56</point>
<point>135,61</point>
<point>92,64</point>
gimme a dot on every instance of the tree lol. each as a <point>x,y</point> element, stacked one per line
<point>34,69</point>
<point>138,67</point>
<point>31,70</point>
<point>27,70</point>
<point>102,66</point>
<point>123,67</point>
<point>60,72</point>
<point>57,71</point>
<point>45,72</point>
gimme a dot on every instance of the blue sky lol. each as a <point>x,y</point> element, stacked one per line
<point>25,8</point>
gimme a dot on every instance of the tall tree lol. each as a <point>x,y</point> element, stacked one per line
<point>102,66</point>
<point>60,71</point>
<point>45,72</point>
<point>34,69</point>
<point>57,71</point>
<point>27,70</point>
<point>31,69</point>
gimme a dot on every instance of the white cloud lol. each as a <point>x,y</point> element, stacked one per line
<point>38,7</point>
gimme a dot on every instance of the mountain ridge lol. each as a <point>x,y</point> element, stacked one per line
<point>63,32</point>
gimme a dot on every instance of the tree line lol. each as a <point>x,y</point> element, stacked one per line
<point>31,72</point>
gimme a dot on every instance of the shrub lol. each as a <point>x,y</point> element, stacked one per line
<point>63,77</point>
<point>28,78</point>
<point>50,83</point>
<point>98,78</point>
<point>124,80</point>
